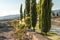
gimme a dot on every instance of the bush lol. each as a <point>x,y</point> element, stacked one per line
<point>28,22</point>
<point>21,33</point>
<point>15,23</point>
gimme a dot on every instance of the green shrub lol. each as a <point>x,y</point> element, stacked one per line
<point>21,33</point>
<point>28,22</point>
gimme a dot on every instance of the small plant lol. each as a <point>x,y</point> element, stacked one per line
<point>28,22</point>
<point>21,33</point>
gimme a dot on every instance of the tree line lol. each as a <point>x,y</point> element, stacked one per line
<point>41,10</point>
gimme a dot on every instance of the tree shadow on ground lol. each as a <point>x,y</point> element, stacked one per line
<point>6,29</point>
<point>3,38</point>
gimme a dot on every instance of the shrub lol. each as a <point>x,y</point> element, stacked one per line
<point>28,22</point>
<point>21,33</point>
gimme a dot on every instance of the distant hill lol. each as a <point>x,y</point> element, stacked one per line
<point>56,11</point>
<point>9,17</point>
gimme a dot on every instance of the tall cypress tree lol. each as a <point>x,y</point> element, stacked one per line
<point>57,14</point>
<point>40,15</point>
<point>33,13</point>
<point>53,14</point>
<point>27,7</point>
<point>21,14</point>
<point>27,13</point>
<point>24,14</point>
<point>45,15</point>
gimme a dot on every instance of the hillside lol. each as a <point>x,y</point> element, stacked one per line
<point>56,11</point>
<point>9,17</point>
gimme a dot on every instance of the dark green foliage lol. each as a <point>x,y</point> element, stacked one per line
<point>21,14</point>
<point>27,13</point>
<point>38,7</point>
<point>40,14</point>
<point>45,15</point>
<point>27,7</point>
<point>53,14</point>
<point>57,14</point>
<point>21,33</point>
<point>27,21</point>
<point>33,13</point>
<point>24,14</point>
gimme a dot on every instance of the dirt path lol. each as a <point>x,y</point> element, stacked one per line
<point>7,33</point>
<point>56,22</point>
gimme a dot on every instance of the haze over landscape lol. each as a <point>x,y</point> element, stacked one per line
<point>55,4</point>
<point>11,7</point>
<point>29,20</point>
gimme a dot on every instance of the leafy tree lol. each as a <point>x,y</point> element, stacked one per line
<point>33,13</point>
<point>21,14</point>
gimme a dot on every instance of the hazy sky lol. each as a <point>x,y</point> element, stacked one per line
<point>55,2</point>
<point>10,7</point>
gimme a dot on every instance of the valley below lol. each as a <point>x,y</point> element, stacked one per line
<point>7,32</point>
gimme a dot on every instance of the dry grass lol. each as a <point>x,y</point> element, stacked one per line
<point>51,35</point>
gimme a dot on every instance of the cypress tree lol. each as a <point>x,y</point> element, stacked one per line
<point>45,15</point>
<point>24,14</point>
<point>33,13</point>
<point>21,14</point>
<point>27,7</point>
<point>40,15</point>
<point>53,13</point>
<point>27,13</point>
<point>57,14</point>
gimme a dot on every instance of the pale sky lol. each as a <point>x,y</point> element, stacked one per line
<point>11,7</point>
<point>55,2</point>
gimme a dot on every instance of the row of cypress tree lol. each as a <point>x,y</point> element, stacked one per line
<point>30,14</point>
